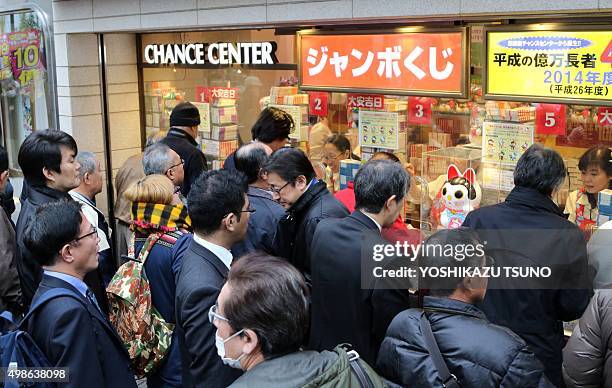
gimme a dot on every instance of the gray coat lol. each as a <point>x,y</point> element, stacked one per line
<point>587,357</point>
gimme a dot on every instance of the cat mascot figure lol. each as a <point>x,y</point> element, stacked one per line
<point>459,195</point>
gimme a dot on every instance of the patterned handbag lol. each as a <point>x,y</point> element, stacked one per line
<point>145,333</point>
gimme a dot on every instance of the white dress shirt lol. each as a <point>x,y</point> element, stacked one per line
<point>222,253</point>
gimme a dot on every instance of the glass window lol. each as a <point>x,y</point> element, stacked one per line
<point>24,90</point>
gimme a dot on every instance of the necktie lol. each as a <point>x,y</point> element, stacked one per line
<point>92,299</point>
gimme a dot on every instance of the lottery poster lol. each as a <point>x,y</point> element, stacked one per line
<point>505,142</point>
<point>378,129</point>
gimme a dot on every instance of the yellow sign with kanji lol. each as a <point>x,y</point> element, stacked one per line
<point>553,65</point>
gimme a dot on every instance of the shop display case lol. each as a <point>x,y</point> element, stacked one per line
<point>453,182</point>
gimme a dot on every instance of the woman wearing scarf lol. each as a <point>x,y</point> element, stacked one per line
<point>159,219</point>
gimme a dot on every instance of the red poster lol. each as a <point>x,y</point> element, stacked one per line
<point>604,117</point>
<point>318,104</point>
<point>206,94</point>
<point>368,101</point>
<point>419,110</point>
<point>550,119</point>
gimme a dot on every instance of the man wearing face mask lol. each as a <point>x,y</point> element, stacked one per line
<point>474,351</point>
<point>261,318</point>
<point>219,211</point>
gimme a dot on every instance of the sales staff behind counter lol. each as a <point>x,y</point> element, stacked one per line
<point>255,53</point>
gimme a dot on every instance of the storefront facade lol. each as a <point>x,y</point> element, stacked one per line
<point>114,87</point>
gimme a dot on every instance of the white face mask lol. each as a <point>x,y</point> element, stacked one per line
<point>220,344</point>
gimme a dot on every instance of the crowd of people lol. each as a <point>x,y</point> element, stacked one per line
<point>252,275</point>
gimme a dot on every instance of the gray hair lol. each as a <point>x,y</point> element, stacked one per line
<point>378,180</point>
<point>88,163</point>
<point>540,168</point>
<point>154,137</point>
<point>156,159</point>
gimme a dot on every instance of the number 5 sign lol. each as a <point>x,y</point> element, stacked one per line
<point>550,119</point>
<point>318,104</point>
<point>419,110</point>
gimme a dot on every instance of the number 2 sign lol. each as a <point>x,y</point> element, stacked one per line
<point>318,104</point>
<point>550,119</point>
<point>419,110</point>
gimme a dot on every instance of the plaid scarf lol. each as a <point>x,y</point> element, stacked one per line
<point>152,217</point>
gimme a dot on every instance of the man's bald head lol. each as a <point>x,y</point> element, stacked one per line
<point>250,159</point>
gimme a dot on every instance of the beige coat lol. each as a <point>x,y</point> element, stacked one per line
<point>130,172</point>
<point>10,288</point>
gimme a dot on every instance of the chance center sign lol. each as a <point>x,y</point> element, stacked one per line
<point>220,53</point>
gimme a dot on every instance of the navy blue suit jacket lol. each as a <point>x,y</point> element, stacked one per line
<point>199,282</point>
<point>73,334</point>
<point>262,224</point>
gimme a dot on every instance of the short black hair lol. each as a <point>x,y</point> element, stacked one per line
<point>378,180</point>
<point>341,142</point>
<point>41,149</point>
<point>272,124</point>
<point>250,159</point>
<point>447,248</point>
<point>289,164</point>
<point>540,168</point>
<point>600,156</point>
<point>269,296</point>
<point>379,155</point>
<point>56,224</point>
<point>3,159</point>
<point>214,195</point>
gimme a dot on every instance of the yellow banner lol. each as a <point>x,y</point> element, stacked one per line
<point>550,64</point>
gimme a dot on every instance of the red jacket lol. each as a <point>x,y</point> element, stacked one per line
<point>396,232</point>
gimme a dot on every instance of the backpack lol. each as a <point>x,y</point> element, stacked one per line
<point>18,349</point>
<point>145,333</point>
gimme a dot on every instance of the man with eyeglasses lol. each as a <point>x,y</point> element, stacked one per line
<point>161,159</point>
<point>71,329</point>
<point>219,211</point>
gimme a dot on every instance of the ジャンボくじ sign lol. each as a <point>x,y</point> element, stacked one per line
<point>411,63</point>
<point>555,65</point>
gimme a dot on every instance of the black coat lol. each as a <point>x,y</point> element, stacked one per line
<point>30,272</point>
<point>529,229</point>
<point>199,282</point>
<point>78,337</point>
<point>342,310</point>
<point>477,352</point>
<point>262,224</point>
<point>195,162</point>
<point>296,229</point>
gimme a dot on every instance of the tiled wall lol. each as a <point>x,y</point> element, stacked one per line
<point>80,101</point>
<point>122,15</point>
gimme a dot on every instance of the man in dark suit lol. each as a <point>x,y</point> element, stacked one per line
<point>342,311</point>
<point>250,160</point>
<point>184,121</point>
<point>219,211</point>
<point>72,331</point>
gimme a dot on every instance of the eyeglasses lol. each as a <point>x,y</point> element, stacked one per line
<point>212,314</point>
<point>277,191</point>
<point>182,162</point>
<point>249,210</point>
<point>94,230</point>
<point>330,157</point>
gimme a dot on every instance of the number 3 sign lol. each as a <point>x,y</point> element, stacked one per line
<point>419,110</point>
<point>550,119</point>
<point>318,104</point>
